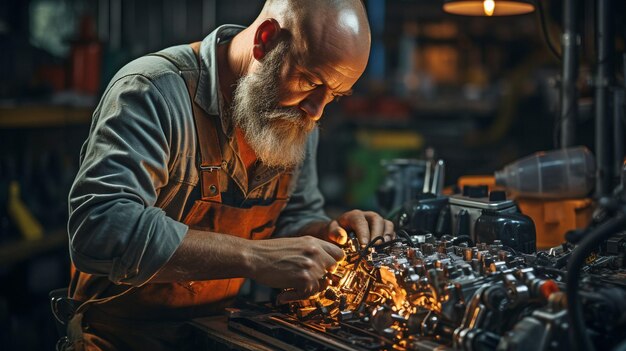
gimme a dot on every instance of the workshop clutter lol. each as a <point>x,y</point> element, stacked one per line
<point>34,186</point>
<point>546,199</point>
<point>464,272</point>
<point>37,166</point>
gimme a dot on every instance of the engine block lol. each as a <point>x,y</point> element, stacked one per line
<point>423,293</point>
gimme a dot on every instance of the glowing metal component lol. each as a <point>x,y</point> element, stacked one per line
<point>387,299</point>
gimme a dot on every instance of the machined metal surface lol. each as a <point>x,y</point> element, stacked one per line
<point>429,294</point>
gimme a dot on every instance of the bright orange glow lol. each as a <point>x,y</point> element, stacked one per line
<point>480,7</point>
<point>489,6</point>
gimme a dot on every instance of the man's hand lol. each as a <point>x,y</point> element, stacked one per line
<point>366,225</point>
<point>298,263</point>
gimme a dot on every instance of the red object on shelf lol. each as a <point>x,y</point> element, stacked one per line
<point>86,59</point>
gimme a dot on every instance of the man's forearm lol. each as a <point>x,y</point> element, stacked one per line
<point>297,263</point>
<point>206,256</point>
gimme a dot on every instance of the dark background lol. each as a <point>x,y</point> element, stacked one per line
<point>480,91</point>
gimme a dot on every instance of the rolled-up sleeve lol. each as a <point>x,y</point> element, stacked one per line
<point>306,204</point>
<point>114,228</point>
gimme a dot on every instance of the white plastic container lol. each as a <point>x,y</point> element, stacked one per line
<point>565,173</point>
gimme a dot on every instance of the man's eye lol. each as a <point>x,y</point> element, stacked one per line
<point>308,84</point>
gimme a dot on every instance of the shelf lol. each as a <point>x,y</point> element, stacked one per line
<point>11,253</point>
<point>43,116</point>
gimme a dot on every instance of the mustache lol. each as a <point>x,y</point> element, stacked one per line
<point>291,116</point>
<point>277,134</point>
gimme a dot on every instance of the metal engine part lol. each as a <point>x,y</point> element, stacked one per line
<point>422,293</point>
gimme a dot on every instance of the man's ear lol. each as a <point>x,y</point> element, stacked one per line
<point>265,37</point>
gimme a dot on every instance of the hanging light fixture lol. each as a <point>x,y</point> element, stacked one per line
<point>488,7</point>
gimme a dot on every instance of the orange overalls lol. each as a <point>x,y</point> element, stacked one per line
<point>152,316</point>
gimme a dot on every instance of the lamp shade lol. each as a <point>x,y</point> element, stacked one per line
<point>488,7</point>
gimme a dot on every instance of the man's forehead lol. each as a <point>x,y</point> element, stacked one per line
<point>331,45</point>
<point>336,76</point>
<point>330,56</point>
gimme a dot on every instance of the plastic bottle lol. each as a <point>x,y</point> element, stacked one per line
<point>565,173</point>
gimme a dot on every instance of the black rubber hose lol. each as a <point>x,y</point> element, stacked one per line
<point>579,338</point>
<point>387,244</point>
<point>371,244</point>
<point>544,31</point>
<point>401,233</point>
<point>365,250</point>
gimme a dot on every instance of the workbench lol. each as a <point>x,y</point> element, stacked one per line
<point>213,333</point>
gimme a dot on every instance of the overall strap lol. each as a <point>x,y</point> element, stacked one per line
<point>186,59</point>
<point>284,186</point>
<point>209,145</point>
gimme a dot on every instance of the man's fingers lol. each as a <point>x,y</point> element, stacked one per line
<point>389,229</point>
<point>366,226</point>
<point>332,268</point>
<point>336,233</point>
<point>318,271</point>
<point>327,261</point>
<point>313,286</point>
<point>376,224</point>
<point>356,221</point>
<point>333,250</point>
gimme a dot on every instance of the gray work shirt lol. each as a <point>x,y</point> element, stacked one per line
<point>138,170</point>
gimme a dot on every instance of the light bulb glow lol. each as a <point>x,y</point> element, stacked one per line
<point>489,6</point>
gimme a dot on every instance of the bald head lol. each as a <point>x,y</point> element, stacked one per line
<point>349,14</point>
<point>335,30</point>
<point>292,61</point>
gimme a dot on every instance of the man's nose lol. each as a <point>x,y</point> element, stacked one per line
<point>314,105</point>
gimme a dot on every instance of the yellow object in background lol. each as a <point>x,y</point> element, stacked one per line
<point>394,140</point>
<point>28,225</point>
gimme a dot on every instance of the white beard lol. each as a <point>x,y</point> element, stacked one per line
<point>276,134</point>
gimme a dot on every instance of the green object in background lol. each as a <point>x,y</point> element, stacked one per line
<point>365,172</point>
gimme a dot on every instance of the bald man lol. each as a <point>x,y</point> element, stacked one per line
<point>199,171</point>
